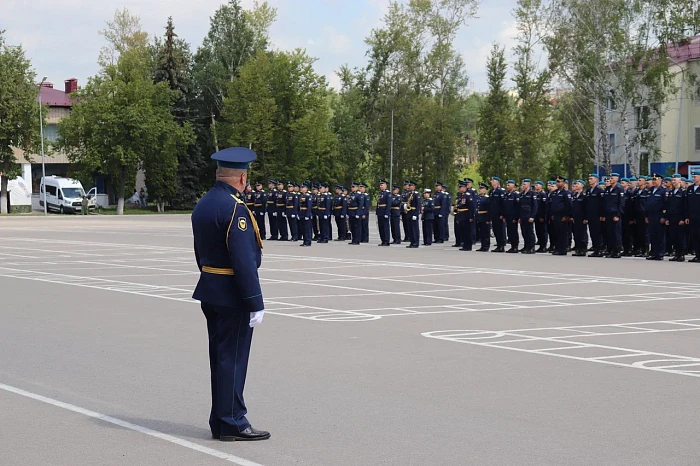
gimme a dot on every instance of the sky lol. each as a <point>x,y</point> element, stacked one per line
<point>61,36</point>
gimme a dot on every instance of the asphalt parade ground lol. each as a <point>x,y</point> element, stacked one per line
<point>366,356</point>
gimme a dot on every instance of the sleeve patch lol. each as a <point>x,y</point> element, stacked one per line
<point>242,223</point>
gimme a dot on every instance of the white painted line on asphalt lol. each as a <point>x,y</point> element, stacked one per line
<point>135,427</point>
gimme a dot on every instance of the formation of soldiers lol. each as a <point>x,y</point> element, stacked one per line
<point>649,217</point>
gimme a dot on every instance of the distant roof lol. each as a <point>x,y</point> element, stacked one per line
<point>54,97</point>
<point>685,52</point>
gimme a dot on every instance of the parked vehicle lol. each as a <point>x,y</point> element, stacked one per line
<point>64,195</point>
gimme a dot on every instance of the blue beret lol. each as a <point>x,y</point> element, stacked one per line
<point>615,174</point>
<point>495,178</point>
<point>626,180</point>
<point>593,175</point>
<point>541,183</point>
<point>510,182</point>
<point>527,180</point>
<point>579,182</point>
<point>695,173</point>
<point>234,157</point>
<point>677,175</point>
<point>601,183</point>
<point>551,182</point>
<point>668,178</point>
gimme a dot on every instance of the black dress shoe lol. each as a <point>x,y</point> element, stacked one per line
<point>305,245</point>
<point>249,434</point>
<point>456,245</point>
<point>512,251</point>
<point>464,249</point>
<point>655,258</point>
<point>410,246</point>
<point>483,250</point>
<point>396,242</point>
<point>696,259</point>
<point>680,259</point>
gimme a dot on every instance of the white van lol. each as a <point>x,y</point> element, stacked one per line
<point>64,195</point>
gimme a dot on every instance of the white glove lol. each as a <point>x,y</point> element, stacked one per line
<point>256,318</point>
<point>357,216</point>
<point>284,215</point>
<point>414,218</point>
<point>274,214</point>
<point>294,216</point>
<point>306,218</point>
<point>440,216</point>
<point>386,216</point>
<point>325,217</point>
<point>342,216</point>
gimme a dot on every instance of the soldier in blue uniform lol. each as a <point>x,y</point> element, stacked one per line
<point>412,208</point>
<point>325,207</point>
<point>354,205</point>
<point>280,203</point>
<point>551,232</point>
<point>366,204</point>
<point>272,210</point>
<point>314,209</point>
<point>395,215</point>
<point>497,202</point>
<point>613,208</point>
<point>404,213</point>
<point>676,214</point>
<point>456,223</point>
<point>561,210</point>
<point>464,215</point>
<point>692,196</point>
<point>511,213</point>
<point>383,213</point>
<point>427,213</point>
<point>438,221</point>
<point>340,211</point>
<point>259,204</point>
<point>667,184</point>
<point>305,213</point>
<point>528,215</point>
<point>541,219</point>
<point>629,223</point>
<point>593,213</point>
<point>578,216</point>
<point>472,191</point>
<point>483,218</point>
<point>445,212</point>
<point>639,198</point>
<point>227,247</point>
<point>291,207</point>
<point>656,221</point>
<point>248,194</point>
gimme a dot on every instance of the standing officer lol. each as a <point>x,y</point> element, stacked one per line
<point>561,209</point>
<point>528,215</point>
<point>614,207</point>
<point>395,215</point>
<point>693,209</point>
<point>305,213</point>
<point>656,221</point>
<point>280,203</point>
<point>412,213</point>
<point>340,210</point>
<point>472,191</point>
<point>315,197</point>
<point>354,205</point>
<point>483,218</point>
<point>578,215</point>
<point>259,204</point>
<point>512,216</point>
<point>445,212</point>
<point>551,232</point>
<point>366,204</point>
<point>457,224</point>
<point>676,214</point>
<point>541,219</point>
<point>272,209</point>
<point>227,247</point>
<point>348,234</point>
<point>325,206</point>
<point>498,199</point>
<point>639,200</point>
<point>438,222</point>
<point>404,212</point>
<point>593,212</point>
<point>427,212</point>
<point>629,223</point>
<point>383,212</point>
<point>291,208</point>
<point>463,215</point>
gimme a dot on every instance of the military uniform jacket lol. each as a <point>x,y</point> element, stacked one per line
<point>249,200</point>
<point>692,197</point>
<point>384,203</point>
<point>541,204</point>
<point>412,203</point>
<point>271,198</point>
<point>315,198</point>
<point>446,204</point>
<point>676,205</point>
<point>306,206</point>
<point>428,209</point>
<point>629,204</point>
<point>340,206</point>
<point>593,203</point>
<point>291,204</point>
<point>528,205</point>
<point>560,203</point>
<point>365,203</point>
<point>578,207</point>
<point>259,201</point>
<point>483,206</point>
<point>465,207</point>
<point>396,205</point>
<point>228,250</point>
<point>657,201</point>
<point>280,200</point>
<point>512,206</point>
<point>404,200</point>
<point>614,200</point>
<point>438,199</point>
<point>325,205</point>
<point>639,200</point>
<point>498,200</point>
<point>354,201</point>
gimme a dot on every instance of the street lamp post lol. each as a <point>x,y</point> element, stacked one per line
<point>41,133</point>
<point>391,159</point>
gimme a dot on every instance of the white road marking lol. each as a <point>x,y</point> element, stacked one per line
<point>135,427</point>
<point>567,345</point>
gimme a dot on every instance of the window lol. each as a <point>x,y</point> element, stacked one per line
<point>641,117</point>
<point>51,190</point>
<point>613,144</point>
<point>51,133</point>
<point>610,103</point>
<point>697,138</point>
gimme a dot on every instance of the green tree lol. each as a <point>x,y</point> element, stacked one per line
<point>19,112</point>
<point>495,124</point>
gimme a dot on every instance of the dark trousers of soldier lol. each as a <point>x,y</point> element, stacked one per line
<point>465,232</point>
<point>383,224</point>
<point>293,227</point>
<point>596,232</point>
<point>274,232</point>
<point>670,245</point>
<point>365,229</point>
<point>340,225</point>
<point>230,337</point>
<point>528,230</point>
<point>396,229</point>
<point>513,236</point>
<point>472,228</point>
<point>552,233</point>
<point>580,235</point>
<point>260,218</point>
<point>657,235</point>
<point>485,234</point>
<point>282,226</point>
<point>428,232</point>
<point>458,232</point>
<point>414,230</point>
<point>614,230</point>
<point>694,229</point>
<point>306,231</point>
<point>677,234</point>
<point>348,230</point>
<point>499,232</point>
<point>355,228</point>
<point>325,227</point>
<point>541,230</point>
<point>560,232</point>
<point>628,230</point>
<point>641,235</point>
<point>405,220</point>
<point>438,224</point>
<point>314,225</point>
<point>445,228</point>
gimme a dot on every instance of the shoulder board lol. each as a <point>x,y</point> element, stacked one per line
<point>238,201</point>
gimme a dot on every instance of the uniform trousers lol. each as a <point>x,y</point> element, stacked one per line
<point>466,234</point>
<point>356,229</point>
<point>677,234</point>
<point>260,219</point>
<point>458,232</point>
<point>628,233</point>
<point>428,231</point>
<point>274,232</point>
<point>414,235</point>
<point>340,225</point>
<point>614,230</point>
<point>384,233</point>
<point>513,237</point>
<point>657,234</point>
<point>230,337</point>
<point>314,224</point>
<point>324,226</point>
<point>365,229</point>
<point>541,230</point>
<point>560,230</point>
<point>438,224</point>
<point>282,226</point>
<point>596,233</point>
<point>293,230</point>
<point>528,230</point>
<point>694,229</point>
<point>499,231</point>
<point>406,226</point>
<point>485,234</point>
<point>445,228</point>
<point>580,235</point>
<point>396,228</point>
<point>641,234</point>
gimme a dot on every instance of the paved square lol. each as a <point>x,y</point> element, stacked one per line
<point>367,355</point>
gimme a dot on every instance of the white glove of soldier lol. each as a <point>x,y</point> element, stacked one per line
<point>439,216</point>
<point>274,214</point>
<point>342,216</point>
<point>357,216</point>
<point>256,318</point>
<point>386,216</point>
<point>325,217</point>
<point>414,218</point>
<point>294,216</point>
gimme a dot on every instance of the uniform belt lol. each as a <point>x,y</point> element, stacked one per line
<point>290,207</point>
<point>280,205</point>
<point>352,208</point>
<point>462,210</point>
<point>381,205</point>
<point>249,204</point>
<point>396,208</point>
<point>303,208</point>
<point>216,270</point>
<point>483,211</point>
<point>270,202</point>
<point>257,205</point>
<point>340,207</point>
